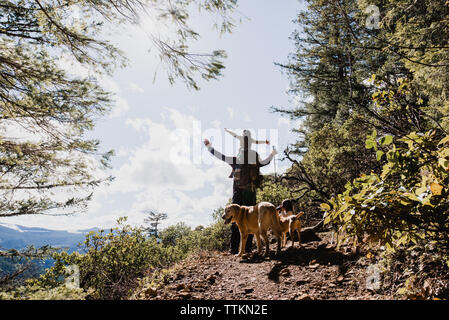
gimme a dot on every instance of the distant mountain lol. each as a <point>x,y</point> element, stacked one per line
<point>19,237</point>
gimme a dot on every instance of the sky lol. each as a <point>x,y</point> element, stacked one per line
<point>156,129</point>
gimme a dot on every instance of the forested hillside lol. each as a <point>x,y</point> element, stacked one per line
<point>369,85</point>
<point>372,149</point>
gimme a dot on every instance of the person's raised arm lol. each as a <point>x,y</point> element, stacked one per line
<point>218,155</point>
<point>267,160</point>
<point>235,135</point>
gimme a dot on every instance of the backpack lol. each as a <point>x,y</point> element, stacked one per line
<point>248,176</point>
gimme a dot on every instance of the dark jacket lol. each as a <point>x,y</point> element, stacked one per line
<point>246,173</point>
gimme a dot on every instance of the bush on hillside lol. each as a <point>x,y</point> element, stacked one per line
<point>113,262</point>
<point>405,208</point>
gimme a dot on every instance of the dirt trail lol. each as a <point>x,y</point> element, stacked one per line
<point>314,271</point>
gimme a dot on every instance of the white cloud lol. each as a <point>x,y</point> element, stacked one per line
<point>158,180</point>
<point>135,87</point>
<point>151,180</point>
<point>192,109</point>
<point>216,123</point>
<point>121,107</point>
<point>231,112</point>
<point>122,152</point>
<point>283,122</point>
<point>238,114</point>
<point>246,117</point>
<point>72,66</point>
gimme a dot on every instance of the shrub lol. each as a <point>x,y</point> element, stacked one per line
<point>170,235</point>
<point>274,192</point>
<point>406,207</point>
<point>214,237</point>
<point>407,202</point>
<point>112,262</point>
<point>187,241</point>
<point>36,292</point>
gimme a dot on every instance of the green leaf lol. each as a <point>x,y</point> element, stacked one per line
<point>386,140</point>
<point>343,208</point>
<point>347,216</point>
<point>386,170</point>
<point>379,154</point>
<point>443,163</point>
<point>411,196</point>
<point>426,201</point>
<point>392,155</point>
<point>370,143</point>
<point>421,190</point>
<point>325,207</point>
<point>444,152</point>
<point>444,140</point>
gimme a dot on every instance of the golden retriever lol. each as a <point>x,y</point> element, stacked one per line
<point>255,220</point>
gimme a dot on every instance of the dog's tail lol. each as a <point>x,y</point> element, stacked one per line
<point>299,214</point>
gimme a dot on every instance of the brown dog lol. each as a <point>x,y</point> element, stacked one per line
<point>254,220</point>
<point>291,223</point>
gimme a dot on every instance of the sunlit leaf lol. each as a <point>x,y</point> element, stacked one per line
<point>436,188</point>
<point>370,143</point>
<point>386,140</point>
<point>379,155</point>
<point>444,140</point>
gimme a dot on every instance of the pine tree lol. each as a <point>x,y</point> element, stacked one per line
<point>347,77</point>
<point>154,220</point>
<point>329,75</point>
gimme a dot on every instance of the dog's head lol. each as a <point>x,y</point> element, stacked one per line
<point>286,205</point>
<point>230,212</point>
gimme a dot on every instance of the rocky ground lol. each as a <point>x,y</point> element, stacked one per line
<point>316,270</point>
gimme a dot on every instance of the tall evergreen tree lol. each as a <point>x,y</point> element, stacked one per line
<point>329,75</point>
<point>416,33</point>
<point>350,78</point>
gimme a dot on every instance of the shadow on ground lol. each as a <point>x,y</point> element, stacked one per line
<point>303,256</point>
